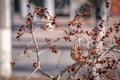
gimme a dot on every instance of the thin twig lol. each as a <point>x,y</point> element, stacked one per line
<point>64,70</point>
<point>32,73</point>
<point>76,72</point>
<point>42,22</point>
<point>49,76</point>
<point>107,51</point>
<point>36,46</point>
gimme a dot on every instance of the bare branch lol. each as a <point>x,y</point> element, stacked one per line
<point>32,73</point>
<point>108,50</point>
<point>49,76</point>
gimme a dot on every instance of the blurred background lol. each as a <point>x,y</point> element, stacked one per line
<point>13,14</point>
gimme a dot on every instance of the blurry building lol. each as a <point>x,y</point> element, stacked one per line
<point>59,7</point>
<point>62,7</point>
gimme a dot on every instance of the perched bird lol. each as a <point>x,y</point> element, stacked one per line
<point>76,54</point>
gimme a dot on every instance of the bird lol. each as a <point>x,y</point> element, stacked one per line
<point>76,54</point>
